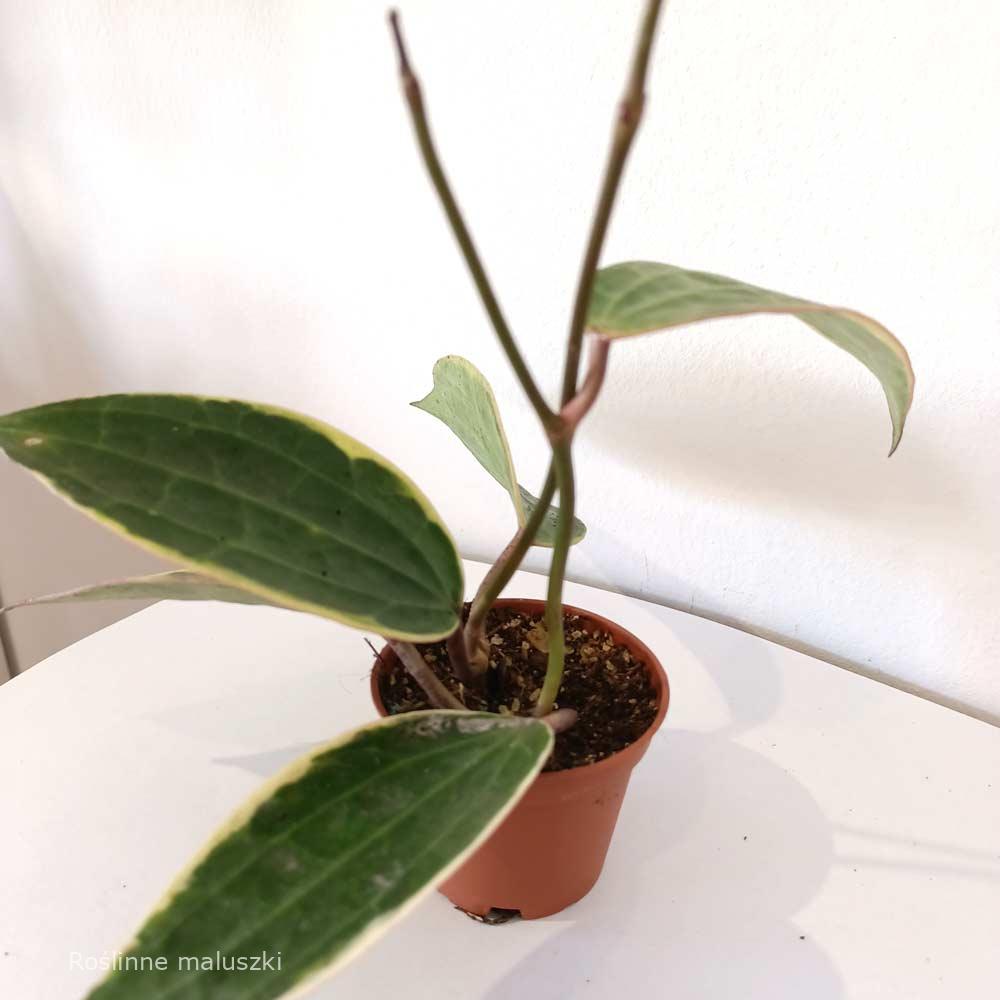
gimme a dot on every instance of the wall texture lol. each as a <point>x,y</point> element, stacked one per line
<point>224,197</point>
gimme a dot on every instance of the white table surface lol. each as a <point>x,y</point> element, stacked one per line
<point>795,831</point>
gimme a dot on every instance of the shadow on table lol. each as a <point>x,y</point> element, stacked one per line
<point>701,894</point>
<point>269,762</point>
<point>716,850</point>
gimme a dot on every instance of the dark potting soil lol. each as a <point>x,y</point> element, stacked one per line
<point>609,688</point>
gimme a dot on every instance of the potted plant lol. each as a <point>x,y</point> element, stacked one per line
<point>261,505</point>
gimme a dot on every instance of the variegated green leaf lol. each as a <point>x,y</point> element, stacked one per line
<point>329,854</point>
<point>463,400</point>
<point>640,296</point>
<point>257,497</point>
<point>174,585</point>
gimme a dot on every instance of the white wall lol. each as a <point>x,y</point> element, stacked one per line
<point>224,197</point>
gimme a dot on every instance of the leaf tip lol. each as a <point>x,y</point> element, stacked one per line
<point>899,422</point>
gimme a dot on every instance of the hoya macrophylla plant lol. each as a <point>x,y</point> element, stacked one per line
<point>259,505</point>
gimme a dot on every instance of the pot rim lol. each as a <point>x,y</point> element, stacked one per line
<point>627,756</point>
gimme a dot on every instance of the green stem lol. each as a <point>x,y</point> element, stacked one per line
<point>562,461</point>
<point>414,99</point>
<point>626,126</point>
<point>504,568</point>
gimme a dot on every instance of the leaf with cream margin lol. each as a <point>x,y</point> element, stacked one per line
<point>641,296</point>
<point>330,853</point>
<point>463,401</point>
<point>260,498</point>
<point>174,585</point>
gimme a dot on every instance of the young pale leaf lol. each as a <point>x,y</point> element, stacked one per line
<point>641,296</point>
<point>330,853</point>
<point>463,401</point>
<point>260,498</point>
<point>174,585</point>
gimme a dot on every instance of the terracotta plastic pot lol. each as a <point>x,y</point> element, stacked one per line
<point>550,850</point>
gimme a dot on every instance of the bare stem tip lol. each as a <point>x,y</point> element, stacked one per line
<point>397,35</point>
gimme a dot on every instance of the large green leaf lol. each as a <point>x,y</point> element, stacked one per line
<point>463,400</point>
<point>174,585</point>
<point>258,497</point>
<point>641,296</point>
<point>331,852</point>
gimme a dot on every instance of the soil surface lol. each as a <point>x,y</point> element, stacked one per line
<point>608,687</point>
